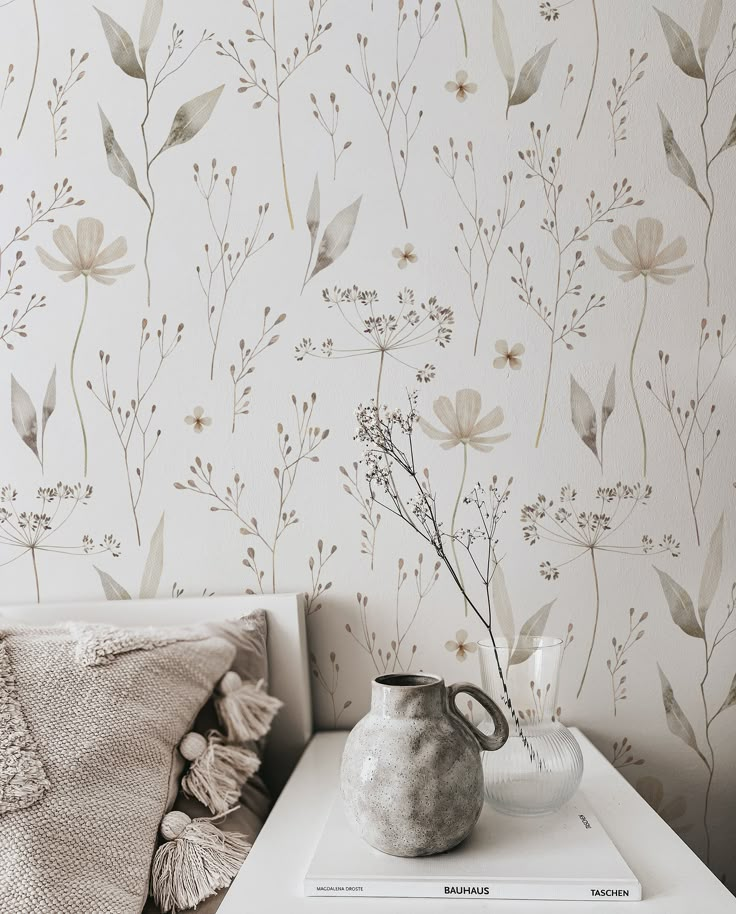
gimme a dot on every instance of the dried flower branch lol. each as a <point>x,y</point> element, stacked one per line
<point>386,455</point>
<point>479,241</point>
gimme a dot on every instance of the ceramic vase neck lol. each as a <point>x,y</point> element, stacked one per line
<point>406,695</point>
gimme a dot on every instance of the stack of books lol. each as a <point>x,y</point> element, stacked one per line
<point>563,856</point>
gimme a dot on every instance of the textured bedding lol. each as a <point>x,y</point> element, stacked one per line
<point>105,715</point>
<point>90,721</point>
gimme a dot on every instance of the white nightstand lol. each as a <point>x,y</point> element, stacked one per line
<point>673,879</point>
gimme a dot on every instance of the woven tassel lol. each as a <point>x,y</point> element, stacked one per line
<point>217,771</point>
<point>245,709</point>
<point>196,861</point>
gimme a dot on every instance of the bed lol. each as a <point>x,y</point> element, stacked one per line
<point>287,653</point>
<point>288,667</point>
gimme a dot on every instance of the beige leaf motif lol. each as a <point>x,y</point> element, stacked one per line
<point>677,720</point>
<point>680,605</point>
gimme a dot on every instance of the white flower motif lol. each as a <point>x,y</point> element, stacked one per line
<point>461,646</point>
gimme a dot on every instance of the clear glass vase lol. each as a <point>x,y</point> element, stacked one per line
<point>539,768</point>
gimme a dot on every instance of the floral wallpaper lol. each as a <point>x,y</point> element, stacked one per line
<point>226,225</point>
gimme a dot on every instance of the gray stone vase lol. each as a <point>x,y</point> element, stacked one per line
<point>411,774</point>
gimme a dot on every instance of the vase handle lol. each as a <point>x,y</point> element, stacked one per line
<point>487,741</point>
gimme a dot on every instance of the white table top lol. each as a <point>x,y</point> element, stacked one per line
<point>673,879</point>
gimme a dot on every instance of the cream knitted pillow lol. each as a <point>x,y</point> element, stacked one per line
<point>102,712</point>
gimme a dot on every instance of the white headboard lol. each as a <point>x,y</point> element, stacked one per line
<point>287,653</point>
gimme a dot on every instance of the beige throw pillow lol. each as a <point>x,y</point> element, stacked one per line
<point>103,711</point>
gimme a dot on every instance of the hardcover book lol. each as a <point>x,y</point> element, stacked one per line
<point>563,856</point>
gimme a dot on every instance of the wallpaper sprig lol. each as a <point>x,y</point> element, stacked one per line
<point>692,417</point>
<point>85,257</point>
<point>394,100</point>
<point>188,120</point>
<point>262,32</point>
<point>414,324</point>
<point>295,449</point>
<point>644,258</point>
<point>683,611</point>
<point>35,529</point>
<point>60,101</point>
<point>134,423</point>
<point>543,165</point>
<point>224,259</point>
<point>527,84</point>
<point>480,242</point>
<point>695,65</point>
<point>591,533</point>
<point>38,214</point>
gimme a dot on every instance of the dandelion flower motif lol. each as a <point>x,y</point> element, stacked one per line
<point>461,647</point>
<point>198,420</point>
<point>548,12</point>
<point>460,86</point>
<point>405,256</point>
<point>83,254</point>
<point>642,255</point>
<point>506,356</point>
<point>462,423</point>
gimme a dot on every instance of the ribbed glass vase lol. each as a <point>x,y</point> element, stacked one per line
<point>539,768</point>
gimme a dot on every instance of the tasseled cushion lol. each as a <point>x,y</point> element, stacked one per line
<point>195,861</point>
<point>244,709</point>
<point>217,771</point>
